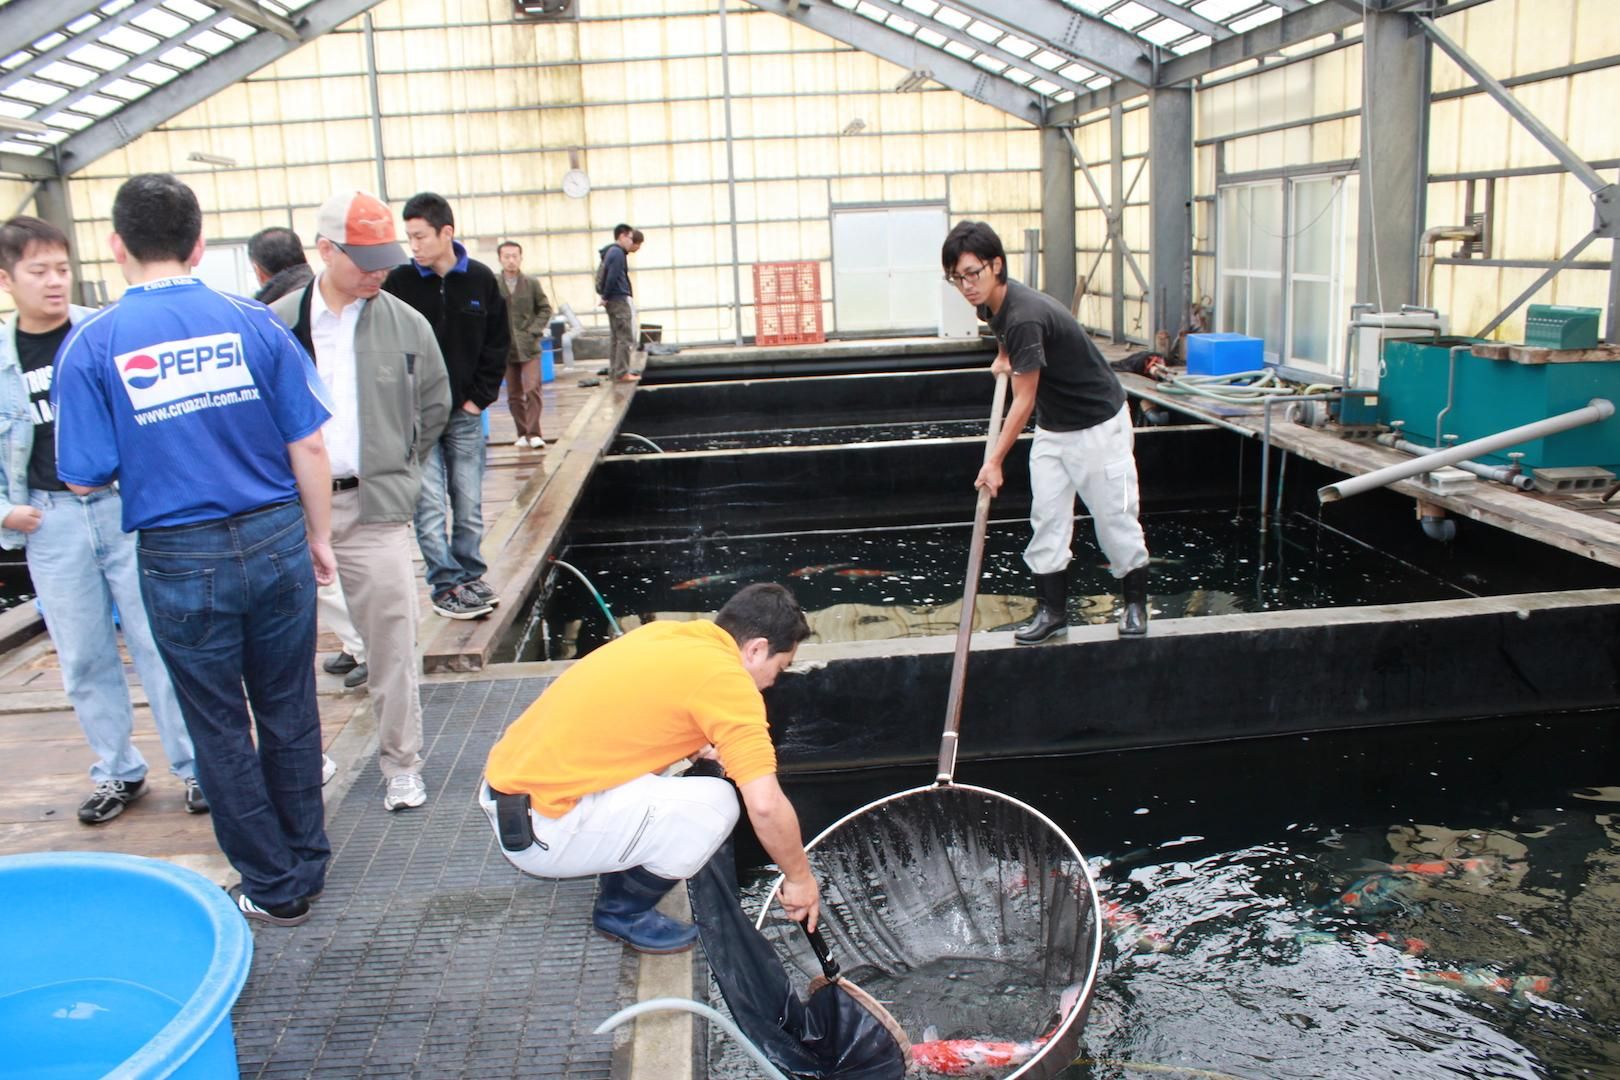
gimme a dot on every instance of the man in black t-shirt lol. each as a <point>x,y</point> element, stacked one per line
<point>1083,437</point>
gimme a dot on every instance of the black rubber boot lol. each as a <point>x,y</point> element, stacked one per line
<point>1051,612</point>
<point>624,911</point>
<point>1133,619</point>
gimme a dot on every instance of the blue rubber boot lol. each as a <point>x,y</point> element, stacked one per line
<point>624,911</point>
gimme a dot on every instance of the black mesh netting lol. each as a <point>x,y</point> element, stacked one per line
<point>965,912</point>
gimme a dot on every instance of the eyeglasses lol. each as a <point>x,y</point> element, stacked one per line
<point>967,277</point>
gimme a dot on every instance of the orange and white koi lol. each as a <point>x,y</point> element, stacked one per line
<point>983,1057</point>
<point>1478,979</point>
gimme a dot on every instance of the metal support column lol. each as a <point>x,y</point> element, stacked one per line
<point>1116,184</point>
<point>1612,326</point>
<point>53,204</point>
<point>1170,139</point>
<point>376,112</point>
<point>1057,216</point>
<point>731,180</point>
<point>1394,158</point>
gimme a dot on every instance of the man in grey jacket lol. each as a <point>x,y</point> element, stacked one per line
<point>391,400</point>
<point>529,311</point>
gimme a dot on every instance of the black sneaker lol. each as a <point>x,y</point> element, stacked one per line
<point>109,800</point>
<point>458,603</point>
<point>357,677</point>
<point>341,664</point>
<point>480,590</point>
<point>289,914</point>
<point>196,802</point>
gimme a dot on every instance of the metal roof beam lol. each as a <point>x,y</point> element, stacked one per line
<point>26,166</point>
<point>869,37</point>
<point>1062,29</point>
<point>202,82</point>
<point>993,51</point>
<point>26,21</point>
<point>254,15</point>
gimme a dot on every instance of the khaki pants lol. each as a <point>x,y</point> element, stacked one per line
<point>523,396</point>
<point>379,583</point>
<point>622,332</point>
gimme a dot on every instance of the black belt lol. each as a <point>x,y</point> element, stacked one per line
<point>346,483</point>
<point>513,822</point>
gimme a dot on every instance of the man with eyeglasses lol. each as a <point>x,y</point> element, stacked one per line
<point>1083,437</point>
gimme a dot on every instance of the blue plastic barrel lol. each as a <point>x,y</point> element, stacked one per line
<point>548,367</point>
<point>117,964</point>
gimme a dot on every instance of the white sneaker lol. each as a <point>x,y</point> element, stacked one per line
<point>405,791</point>
<point>536,442</point>
<point>328,770</point>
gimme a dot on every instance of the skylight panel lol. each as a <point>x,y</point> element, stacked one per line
<point>1063,95</point>
<point>189,9</point>
<point>125,89</point>
<point>1018,75</point>
<point>37,92</point>
<point>1192,45</point>
<point>236,28</point>
<point>82,23</point>
<point>182,58</point>
<point>1129,16</point>
<point>97,106</point>
<point>871,11</point>
<point>49,41</point>
<point>925,8</point>
<point>97,56</point>
<point>1076,72</point>
<point>983,30</point>
<point>1164,31</point>
<point>210,42</point>
<point>957,48</point>
<point>1259,18</point>
<point>902,24</point>
<point>71,120</point>
<point>1092,6</point>
<point>162,23</point>
<point>156,74</point>
<point>16,59</point>
<point>1017,46</point>
<point>1220,10</point>
<point>113,7</point>
<point>931,37</point>
<point>67,74</point>
<point>1045,86</point>
<point>952,18</point>
<point>130,40</point>
<point>1048,59</point>
<point>1099,82</point>
<point>990,64</point>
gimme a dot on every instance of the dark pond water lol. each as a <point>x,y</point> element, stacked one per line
<point>805,436</point>
<point>888,583</point>
<point>1426,901</point>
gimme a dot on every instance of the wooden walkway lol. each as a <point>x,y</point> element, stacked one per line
<point>46,761</point>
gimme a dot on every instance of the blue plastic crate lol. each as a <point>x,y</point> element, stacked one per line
<point>1224,354</point>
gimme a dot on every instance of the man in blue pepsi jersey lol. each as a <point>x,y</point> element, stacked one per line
<point>205,411</point>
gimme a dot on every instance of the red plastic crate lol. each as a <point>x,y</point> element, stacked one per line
<point>787,303</point>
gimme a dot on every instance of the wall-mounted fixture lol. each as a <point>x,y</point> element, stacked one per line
<point>854,127</point>
<point>915,79</point>
<point>211,159</point>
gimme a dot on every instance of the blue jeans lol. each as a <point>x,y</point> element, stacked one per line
<point>459,457</point>
<point>83,563</point>
<point>232,605</point>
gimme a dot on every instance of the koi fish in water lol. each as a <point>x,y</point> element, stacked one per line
<point>863,572</point>
<point>822,568</point>
<point>983,1057</point>
<point>1477,980</point>
<point>724,577</point>
<point>1375,892</point>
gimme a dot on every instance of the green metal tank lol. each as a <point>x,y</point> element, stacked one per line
<point>1494,395</point>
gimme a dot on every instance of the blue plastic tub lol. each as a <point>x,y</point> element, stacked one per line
<point>117,964</point>
<point>1224,354</point>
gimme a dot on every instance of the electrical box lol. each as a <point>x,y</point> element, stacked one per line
<point>1550,326</point>
<point>1365,366</point>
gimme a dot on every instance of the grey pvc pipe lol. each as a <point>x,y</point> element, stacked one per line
<point>1597,410</point>
<point>1502,474</point>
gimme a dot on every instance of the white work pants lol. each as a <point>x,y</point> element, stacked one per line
<point>1096,463</point>
<point>668,824</point>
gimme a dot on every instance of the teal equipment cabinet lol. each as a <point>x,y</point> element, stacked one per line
<point>1494,395</point>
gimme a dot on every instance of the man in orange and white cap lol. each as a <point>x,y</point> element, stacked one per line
<point>389,390</point>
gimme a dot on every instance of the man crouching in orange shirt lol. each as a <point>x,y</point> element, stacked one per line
<point>574,787</point>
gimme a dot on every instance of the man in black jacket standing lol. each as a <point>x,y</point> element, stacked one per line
<point>461,299</point>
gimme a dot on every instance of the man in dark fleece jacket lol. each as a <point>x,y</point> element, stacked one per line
<point>461,298</point>
<point>613,286</point>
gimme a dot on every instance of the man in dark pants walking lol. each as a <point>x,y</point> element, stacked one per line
<point>462,301</point>
<point>1083,438</point>
<point>206,412</point>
